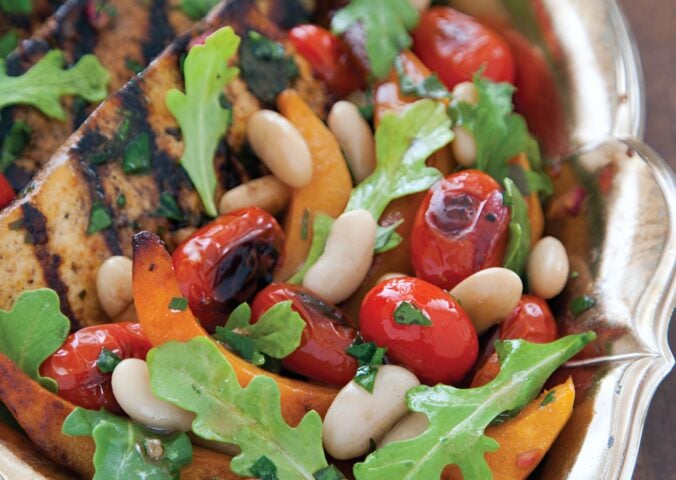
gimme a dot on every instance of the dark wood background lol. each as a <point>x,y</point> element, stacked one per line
<point>655,29</point>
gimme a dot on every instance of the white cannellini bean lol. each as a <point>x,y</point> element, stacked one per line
<point>489,296</point>
<point>421,5</point>
<point>464,146</point>
<point>357,416</point>
<point>466,92</point>
<point>354,137</point>
<point>346,259</point>
<point>113,285</point>
<point>267,193</point>
<point>131,388</point>
<point>548,268</point>
<point>411,426</point>
<point>281,147</point>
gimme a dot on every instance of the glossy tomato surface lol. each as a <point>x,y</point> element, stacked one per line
<point>6,192</point>
<point>442,352</point>
<point>74,367</point>
<point>460,228</point>
<point>321,355</point>
<point>456,46</point>
<point>330,58</point>
<point>226,262</point>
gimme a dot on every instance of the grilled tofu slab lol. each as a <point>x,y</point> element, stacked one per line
<point>43,236</point>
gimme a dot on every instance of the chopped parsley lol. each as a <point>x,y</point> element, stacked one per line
<point>264,469</point>
<point>107,361</point>
<point>134,66</point>
<point>16,140</point>
<point>408,314</point>
<point>99,219</point>
<point>136,159</point>
<point>169,207</point>
<point>581,304</point>
<point>179,304</point>
<point>370,357</point>
<point>328,473</point>
<point>121,200</point>
<point>549,398</point>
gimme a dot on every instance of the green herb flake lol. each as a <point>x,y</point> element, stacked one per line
<point>134,66</point>
<point>387,237</point>
<point>328,473</point>
<point>178,304</point>
<point>36,314</point>
<point>125,449</point>
<point>99,219</point>
<point>196,9</point>
<point>16,7</point>
<point>264,469</point>
<point>137,155</point>
<point>121,200</point>
<point>14,143</point>
<point>198,111</point>
<point>169,208</point>
<point>549,398</point>
<point>107,361</point>
<point>197,377</point>
<point>276,334</point>
<point>458,417</point>
<point>574,274</point>
<point>369,357</point>
<point>43,85</point>
<point>321,227</point>
<point>518,246</point>
<point>581,304</point>
<point>385,24</point>
<point>304,224</point>
<point>408,314</point>
<point>266,67</point>
<point>8,42</point>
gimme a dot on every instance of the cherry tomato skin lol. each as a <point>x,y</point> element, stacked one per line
<point>74,367</point>
<point>225,263</point>
<point>321,355</point>
<point>460,228</point>
<point>330,58</point>
<point>456,46</point>
<point>6,192</point>
<point>439,353</point>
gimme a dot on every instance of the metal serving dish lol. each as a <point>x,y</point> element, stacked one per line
<point>621,242</point>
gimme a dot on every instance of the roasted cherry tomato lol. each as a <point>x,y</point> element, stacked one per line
<point>440,351</point>
<point>6,192</point>
<point>321,355</point>
<point>460,228</point>
<point>456,46</point>
<point>330,57</point>
<point>225,263</point>
<point>531,320</point>
<point>74,366</point>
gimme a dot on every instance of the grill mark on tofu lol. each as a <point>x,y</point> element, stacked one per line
<point>35,224</point>
<point>160,31</point>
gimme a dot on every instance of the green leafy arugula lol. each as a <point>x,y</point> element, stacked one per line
<point>197,377</point>
<point>33,330</point>
<point>385,24</point>
<point>458,417</point>
<point>43,85</point>
<point>321,227</point>
<point>369,357</point>
<point>518,246</point>
<point>277,332</point>
<point>403,143</point>
<point>126,450</point>
<point>14,143</point>
<point>199,112</point>
<point>16,7</point>
<point>500,134</point>
<point>196,9</point>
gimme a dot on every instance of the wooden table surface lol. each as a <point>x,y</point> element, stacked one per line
<point>653,23</point>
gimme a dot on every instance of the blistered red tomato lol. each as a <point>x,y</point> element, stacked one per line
<point>74,367</point>
<point>225,263</point>
<point>6,192</point>
<point>321,355</point>
<point>460,228</point>
<point>441,351</point>
<point>456,46</point>
<point>330,58</point>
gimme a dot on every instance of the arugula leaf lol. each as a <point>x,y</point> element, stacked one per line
<point>199,113</point>
<point>518,247</point>
<point>321,227</point>
<point>16,7</point>
<point>33,330</point>
<point>196,9</point>
<point>403,143</point>
<point>408,314</point>
<point>43,85</point>
<point>277,332</point>
<point>500,135</point>
<point>14,143</point>
<point>126,450</point>
<point>197,377</point>
<point>369,357</point>
<point>8,42</point>
<point>385,23</point>
<point>458,417</point>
